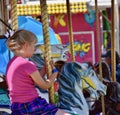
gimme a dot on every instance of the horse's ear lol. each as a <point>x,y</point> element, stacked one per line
<point>59,64</point>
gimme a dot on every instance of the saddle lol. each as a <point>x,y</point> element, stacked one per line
<point>4,98</point>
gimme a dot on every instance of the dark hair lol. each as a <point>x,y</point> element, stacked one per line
<point>105,70</point>
<point>109,54</point>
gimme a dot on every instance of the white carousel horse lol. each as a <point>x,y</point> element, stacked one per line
<point>58,52</point>
<point>73,78</point>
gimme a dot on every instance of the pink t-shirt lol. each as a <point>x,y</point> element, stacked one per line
<point>20,85</point>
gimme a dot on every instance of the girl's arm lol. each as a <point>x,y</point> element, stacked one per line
<point>37,77</point>
<point>41,82</point>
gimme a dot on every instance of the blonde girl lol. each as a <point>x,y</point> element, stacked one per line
<point>22,76</point>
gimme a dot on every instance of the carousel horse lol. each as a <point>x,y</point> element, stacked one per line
<point>57,51</point>
<point>112,97</point>
<point>73,78</point>
<point>4,98</point>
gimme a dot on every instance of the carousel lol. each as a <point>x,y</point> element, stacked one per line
<point>82,87</point>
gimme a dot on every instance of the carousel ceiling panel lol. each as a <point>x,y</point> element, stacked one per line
<point>53,8</point>
<point>102,4</point>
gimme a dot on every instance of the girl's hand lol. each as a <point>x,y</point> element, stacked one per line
<point>52,64</point>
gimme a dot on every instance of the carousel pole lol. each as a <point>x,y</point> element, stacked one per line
<point>113,56</point>
<point>71,40</point>
<point>99,54</point>
<point>13,14</point>
<point>3,17</point>
<point>47,48</point>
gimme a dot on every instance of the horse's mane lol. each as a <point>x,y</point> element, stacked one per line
<point>72,72</point>
<point>69,85</point>
<point>113,91</point>
<point>73,78</point>
<point>112,100</point>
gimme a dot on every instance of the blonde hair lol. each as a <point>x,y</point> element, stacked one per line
<point>19,38</point>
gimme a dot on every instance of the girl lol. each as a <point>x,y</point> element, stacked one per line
<point>22,76</point>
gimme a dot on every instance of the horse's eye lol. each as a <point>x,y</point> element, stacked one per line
<point>93,74</point>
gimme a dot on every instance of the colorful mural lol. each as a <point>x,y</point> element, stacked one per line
<point>84,34</point>
<point>83,46</point>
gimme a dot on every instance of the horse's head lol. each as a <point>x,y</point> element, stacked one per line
<point>74,77</point>
<point>71,97</point>
<point>90,81</point>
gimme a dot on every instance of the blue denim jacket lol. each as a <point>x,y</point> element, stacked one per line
<point>117,72</point>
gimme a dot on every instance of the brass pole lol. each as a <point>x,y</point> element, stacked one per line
<point>13,14</point>
<point>71,40</point>
<point>99,50</point>
<point>3,17</point>
<point>47,47</point>
<point>113,56</point>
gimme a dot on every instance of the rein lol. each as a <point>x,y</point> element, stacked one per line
<point>9,32</point>
<point>6,24</point>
